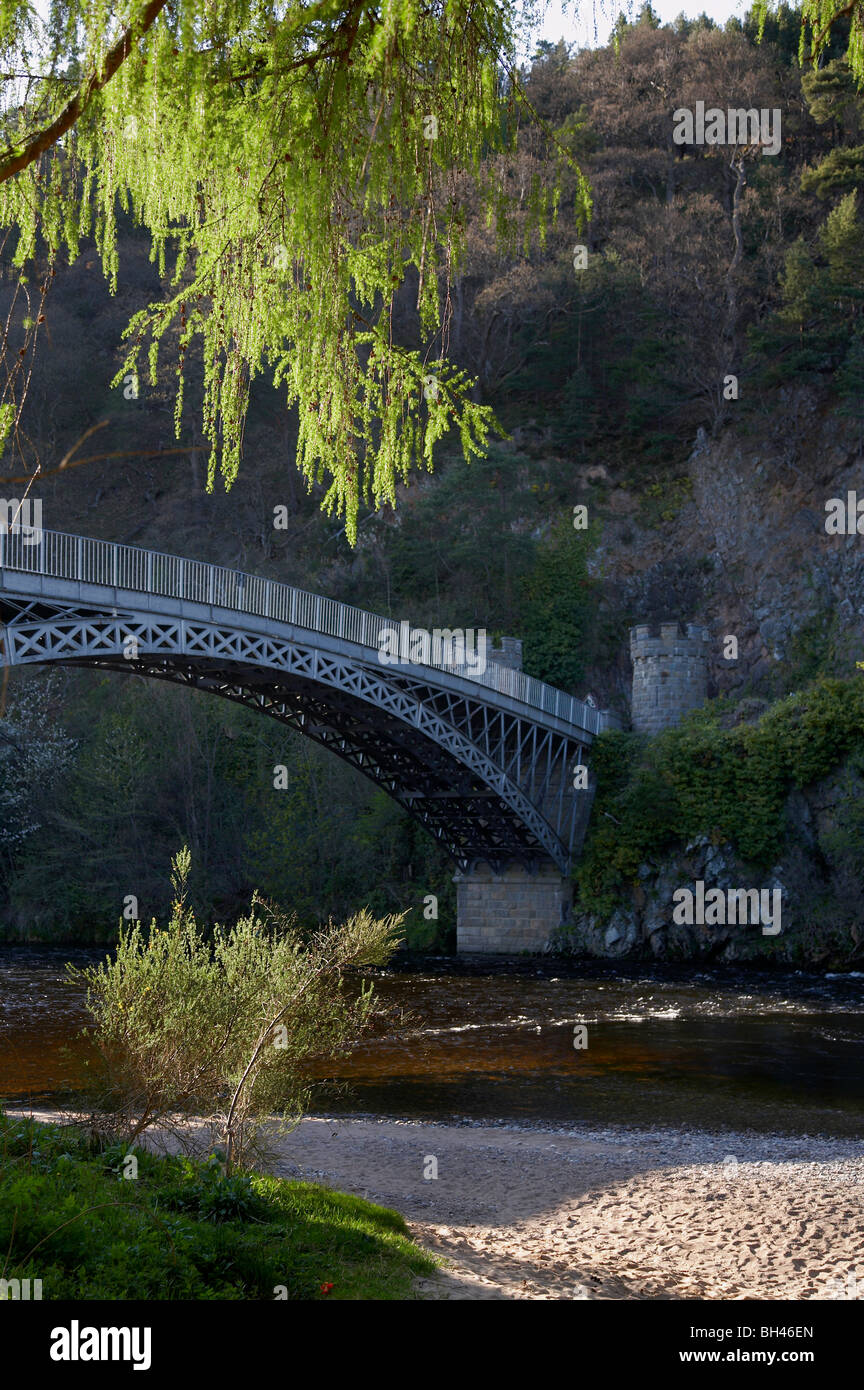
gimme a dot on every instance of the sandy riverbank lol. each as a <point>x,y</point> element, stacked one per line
<point>610,1215</point>
<point>606,1214</point>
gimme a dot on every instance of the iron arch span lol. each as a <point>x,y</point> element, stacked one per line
<point>482,760</point>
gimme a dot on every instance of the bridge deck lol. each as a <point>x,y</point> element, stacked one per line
<point>134,570</point>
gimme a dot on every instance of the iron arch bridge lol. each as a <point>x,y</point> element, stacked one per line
<point>484,761</point>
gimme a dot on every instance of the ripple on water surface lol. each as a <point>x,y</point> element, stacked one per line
<point>713,1049</point>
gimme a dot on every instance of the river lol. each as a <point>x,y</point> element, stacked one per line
<point>718,1049</point>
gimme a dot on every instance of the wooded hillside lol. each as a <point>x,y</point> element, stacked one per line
<point>702,263</point>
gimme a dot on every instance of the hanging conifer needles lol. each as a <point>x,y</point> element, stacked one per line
<point>818,18</point>
<point>293,163</point>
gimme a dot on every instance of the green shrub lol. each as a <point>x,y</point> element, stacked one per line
<point>208,1192</point>
<point>699,779</point>
<point>210,1033</point>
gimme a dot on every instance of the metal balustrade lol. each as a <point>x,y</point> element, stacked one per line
<point>130,568</point>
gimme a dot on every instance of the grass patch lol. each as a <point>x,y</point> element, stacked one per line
<point>181,1230</point>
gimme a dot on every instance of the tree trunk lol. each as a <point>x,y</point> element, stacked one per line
<point>731,326</point>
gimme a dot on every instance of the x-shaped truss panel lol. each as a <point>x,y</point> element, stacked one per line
<point>489,783</point>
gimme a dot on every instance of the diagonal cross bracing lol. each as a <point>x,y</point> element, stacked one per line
<point>483,763</point>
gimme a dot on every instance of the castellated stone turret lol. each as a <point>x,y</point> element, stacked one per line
<point>670,673</point>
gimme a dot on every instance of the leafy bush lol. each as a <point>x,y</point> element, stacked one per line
<point>191,1031</point>
<point>208,1192</point>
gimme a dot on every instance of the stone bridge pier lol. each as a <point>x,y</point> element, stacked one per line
<point>517,908</point>
<point>505,907</point>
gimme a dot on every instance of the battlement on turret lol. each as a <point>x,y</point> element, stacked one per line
<point>670,673</point>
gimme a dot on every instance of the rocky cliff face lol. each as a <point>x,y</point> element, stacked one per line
<point>777,568</point>
<point>740,544</point>
<point>820,880</point>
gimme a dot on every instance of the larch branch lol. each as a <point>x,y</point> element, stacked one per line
<point>79,103</point>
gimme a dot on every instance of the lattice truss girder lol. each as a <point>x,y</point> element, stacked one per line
<point>488,784</point>
<point>541,761</point>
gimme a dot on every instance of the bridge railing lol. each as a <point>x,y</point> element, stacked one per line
<point>88,561</point>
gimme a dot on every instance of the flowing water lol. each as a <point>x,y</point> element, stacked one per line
<point>718,1049</point>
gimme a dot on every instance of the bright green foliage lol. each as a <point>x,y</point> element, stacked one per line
<point>700,779</point>
<point>218,1030</point>
<point>7,420</point>
<point>182,1230</point>
<point>295,163</point>
<point>818,19</point>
